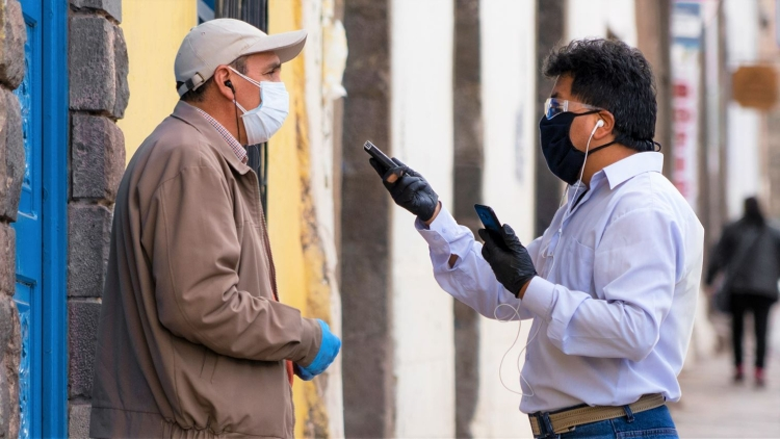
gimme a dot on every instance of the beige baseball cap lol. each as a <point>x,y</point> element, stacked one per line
<point>224,40</point>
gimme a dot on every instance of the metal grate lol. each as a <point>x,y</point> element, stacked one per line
<point>254,12</point>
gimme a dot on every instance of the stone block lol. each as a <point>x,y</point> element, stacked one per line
<point>5,407</point>
<point>83,320</point>
<point>89,228</point>
<point>97,157</point>
<point>12,160</point>
<point>14,35</point>
<point>112,8</point>
<point>6,332</point>
<point>122,68</point>
<point>6,324</point>
<point>9,375</point>
<point>78,421</point>
<point>7,261</point>
<point>92,66</point>
<point>5,404</point>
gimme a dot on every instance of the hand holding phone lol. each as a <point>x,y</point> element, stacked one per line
<point>491,223</point>
<point>408,188</point>
<point>382,159</point>
<point>507,257</point>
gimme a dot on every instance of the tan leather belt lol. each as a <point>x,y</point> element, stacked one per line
<point>564,421</point>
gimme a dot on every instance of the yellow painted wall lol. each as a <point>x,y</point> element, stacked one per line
<point>297,251</point>
<point>153,30</point>
<point>284,200</point>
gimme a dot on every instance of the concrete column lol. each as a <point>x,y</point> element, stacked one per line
<point>742,137</point>
<point>422,136</point>
<point>367,354</point>
<point>99,93</point>
<point>652,22</point>
<point>469,160</point>
<point>510,118</point>
<point>550,30</point>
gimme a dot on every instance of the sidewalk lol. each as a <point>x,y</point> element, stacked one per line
<point>713,407</point>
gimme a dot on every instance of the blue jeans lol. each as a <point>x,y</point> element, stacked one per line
<point>654,424</point>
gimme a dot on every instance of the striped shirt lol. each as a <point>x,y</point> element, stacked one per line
<point>234,145</point>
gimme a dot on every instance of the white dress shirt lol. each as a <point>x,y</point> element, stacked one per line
<point>616,294</point>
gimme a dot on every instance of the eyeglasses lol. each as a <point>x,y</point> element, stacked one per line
<point>554,107</point>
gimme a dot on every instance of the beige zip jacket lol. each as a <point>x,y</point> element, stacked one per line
<point>192,340</point>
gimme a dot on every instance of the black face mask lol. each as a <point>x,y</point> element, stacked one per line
<point>563,159</point>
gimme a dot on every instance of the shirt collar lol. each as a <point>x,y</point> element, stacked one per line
<point>630,167</point>
<point>237,148</point>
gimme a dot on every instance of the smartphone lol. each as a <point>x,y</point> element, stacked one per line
<point>378,155</point>
<point>488,218</point>
<point>491,223</point>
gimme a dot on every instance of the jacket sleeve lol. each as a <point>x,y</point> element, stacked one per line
<point>195,257</point>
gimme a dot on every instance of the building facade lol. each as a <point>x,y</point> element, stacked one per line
<point>451,87</point>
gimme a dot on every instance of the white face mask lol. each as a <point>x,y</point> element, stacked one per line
<point>264,121</point>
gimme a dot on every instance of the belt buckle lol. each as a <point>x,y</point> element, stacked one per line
<point>544,423</point>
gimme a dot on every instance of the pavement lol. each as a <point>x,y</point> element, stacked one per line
<point>712,406</point>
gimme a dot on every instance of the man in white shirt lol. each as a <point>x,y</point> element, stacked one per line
<point>612,284</point>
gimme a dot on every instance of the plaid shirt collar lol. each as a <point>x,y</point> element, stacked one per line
<point>239,150</point>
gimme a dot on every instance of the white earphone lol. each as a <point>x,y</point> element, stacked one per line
<point>599,123</point>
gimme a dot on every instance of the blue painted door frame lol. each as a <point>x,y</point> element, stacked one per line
<point>41,222</point>
<point>29,228</point>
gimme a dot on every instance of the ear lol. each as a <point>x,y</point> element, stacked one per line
<point>221,76</point>
<point>608,125</point>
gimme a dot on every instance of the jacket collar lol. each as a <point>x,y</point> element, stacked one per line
<point>189,115</point>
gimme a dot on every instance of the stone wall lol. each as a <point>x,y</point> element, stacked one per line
<point>12,39</point>
<point>98,67</point>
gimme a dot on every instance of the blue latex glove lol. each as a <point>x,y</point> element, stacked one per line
<point>329,348</point>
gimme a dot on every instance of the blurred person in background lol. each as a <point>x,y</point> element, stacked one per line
<point>612,284</point>
<point>748,256</point>
<point>192,340</point>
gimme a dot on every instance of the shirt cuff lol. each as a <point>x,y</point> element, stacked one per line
<point>444,235</point>
<point>538,297</point>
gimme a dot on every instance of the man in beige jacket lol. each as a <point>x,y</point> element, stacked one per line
<point>193,341</point>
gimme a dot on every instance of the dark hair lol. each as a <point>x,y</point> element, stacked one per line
<point>753,212</point>
<point>611,75</point>
<point>199,94</point>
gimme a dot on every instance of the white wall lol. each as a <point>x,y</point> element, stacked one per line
<point>421,121</point>
<point>592,18</point>
<point>742,150</point>
<point>510,131</point>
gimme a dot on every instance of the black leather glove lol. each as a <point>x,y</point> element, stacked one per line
<point>511,264</point>
<point>410,191</point>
